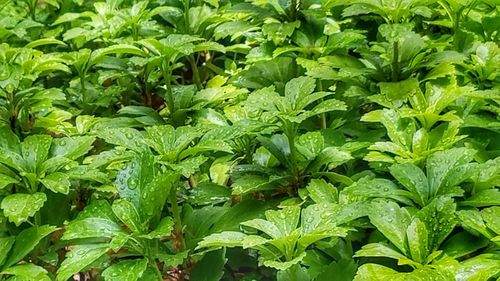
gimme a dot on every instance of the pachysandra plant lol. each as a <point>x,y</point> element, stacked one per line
<point>231,140</point>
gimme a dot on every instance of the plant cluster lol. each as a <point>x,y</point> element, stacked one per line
<point>204,140</point>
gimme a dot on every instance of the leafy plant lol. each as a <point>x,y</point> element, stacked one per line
<point>249,140</point>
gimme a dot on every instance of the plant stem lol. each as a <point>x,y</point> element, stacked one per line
<point>186,16</point>
<point>395,62</point>
<point>322,115</point>
<point>157,270</point>
<point>180,244</point>
<point>170,94</point>
<point>196,73</point>
<point>38,219</point>
<point>290,131</point>
<point>294,7</point>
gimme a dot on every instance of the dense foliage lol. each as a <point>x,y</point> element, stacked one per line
<point>248,140</point>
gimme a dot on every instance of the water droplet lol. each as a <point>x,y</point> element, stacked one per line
<point>132,184</point>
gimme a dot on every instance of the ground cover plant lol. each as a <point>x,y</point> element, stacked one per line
<point>204,140</point>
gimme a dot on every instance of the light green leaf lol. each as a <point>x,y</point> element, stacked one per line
<point>91,228</point>
<point>279,265</point>
<point>163,229</point>
<point>5,246</point>
<point>286,219</point>
<point>128,214</point>
<point>223,239</point>
<point>72,147</point>
<point>448,168</point>
<point>127,137</point>
<point>35,149</point>
<point>115,49</point>
<point>418,240</point>
<point>483,198</point>
<point>44,41</point>
<point>413,179</point>
<point>440,219</point>
<point>298,89</point>
<point>472,221</point>
<point>326,106</point>
<point>392,221</point>
<point>320,191</point>
<point>127,270</point>
<point>491,217</point>
<point>6,180</point>
<point>28,271</point>
<point>80,257</point>
<point>480,267</point>
<point>20,207</point>
<point>57,182</point>
<point>383,251</point>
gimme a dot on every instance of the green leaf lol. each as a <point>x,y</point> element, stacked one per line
<point>462,244</point>
<point>491,217</point>
<point>448,168</point>
<point>57,182</point>
<point>344,269</point>
<point>392,221</point>
<point>430,272</point>
<point>279,265</point>
<point>127,270</point>
<point>169,142</point>
<point>6,180</point>
<point>320,191</point>
<point>28,271</point>
<point>26,241</point>
<point>80,257</point>
<point>43,42</point>
<point>163,229</point>
<point>35,149</point>
<point>20,207</point>
<point>223,239</point>
<point>401,90</point>
<point>127,213</point>
<point>126,137</point>
<point>210,267</point>
<point>326,106</point>
<point>5,246</point>
<point>383,251</point>
<point>115,49</point>
<point>297,89</point>
<point>472,221</point>
<point>286,219</point>
<point>10,140</point>
<point>413,179</point>
<point>417,235</point>
<point>483,198</point>
<point>330,157</point>
<point>481,267</point>
<point>91,228</point>
<point>310,144</point>
<point>235,29</point>
<point>440,219</point>
<point>72,147</point>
